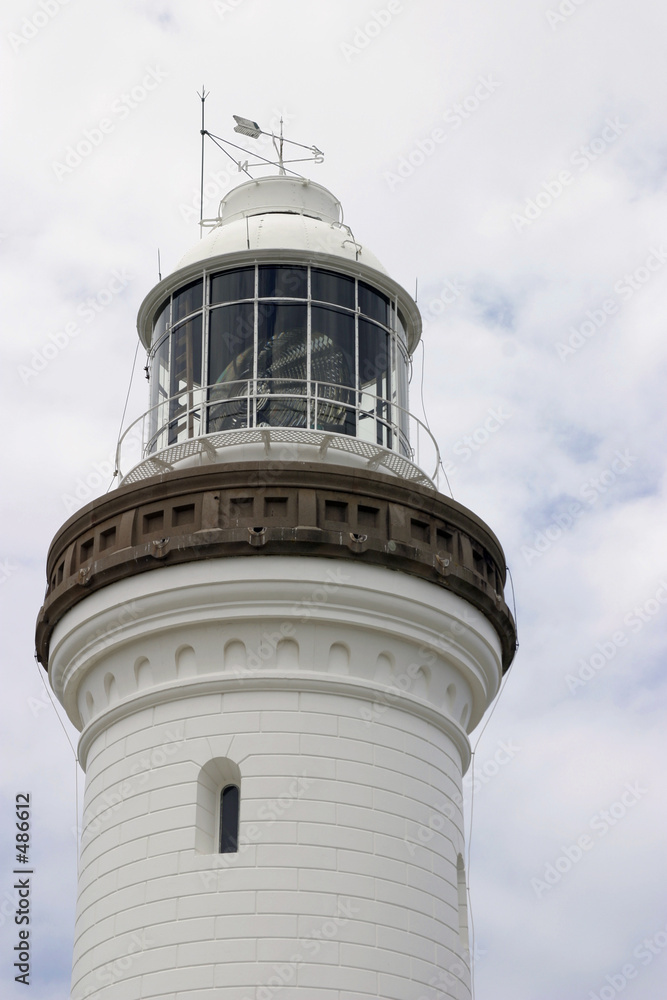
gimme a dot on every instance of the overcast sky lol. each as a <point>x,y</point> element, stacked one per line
<point>512,158</point>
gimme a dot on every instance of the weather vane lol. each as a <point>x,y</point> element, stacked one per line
<point>250,128</point>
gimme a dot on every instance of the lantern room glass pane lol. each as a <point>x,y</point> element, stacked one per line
<point>375,383</point>
<point>159,394</point>
<point>332,346</point>
<point>233,285</point>
<point>231,343</point>
<point>373,304</point>
<point>401,327</point>
<point>283,282</point>
<point>161,321</point>
<point>326,286</point>
<point>230,365</point>
<point>374,358</point>
<point>186,364</point>
<point>160,372</point>
<point>282,364</point>
<point>281,341</point>
<point>188,300</point>
<point>333,361</point>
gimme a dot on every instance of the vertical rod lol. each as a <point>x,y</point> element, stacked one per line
<point>203,97</point>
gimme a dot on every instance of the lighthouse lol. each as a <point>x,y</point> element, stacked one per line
<point>274,638</point>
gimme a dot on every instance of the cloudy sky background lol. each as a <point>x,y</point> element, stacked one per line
<point>550,314</point>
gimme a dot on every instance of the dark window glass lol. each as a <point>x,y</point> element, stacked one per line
<point>232,285</point>
<point>230,366</point>
<point>332,360</point>
<point>282,364</point>
<point>281,341</point>
<point>283,282</point>
<point>186,364</point>
<point>332,346</point>
<point>160,322</point>
<point>231,343</point>
<point>373,304</point>
<point>401,327</point>
<point>159,394</point>
<point>185,376</point>
<point>374,367</point>
<point>188,300</point>
<point>374,359</point>
<point>229,820</point>
<point>329,287</point>
<point>160,372</point>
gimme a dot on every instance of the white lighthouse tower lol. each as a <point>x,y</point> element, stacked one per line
<point>274,637</point>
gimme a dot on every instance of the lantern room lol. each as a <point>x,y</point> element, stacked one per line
<point>278,319</point>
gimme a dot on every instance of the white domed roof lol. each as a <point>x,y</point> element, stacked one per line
<point>279,219</point>
<point>281,213</point>
<point>280,193</point>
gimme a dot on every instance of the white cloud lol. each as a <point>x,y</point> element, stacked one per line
<point>495,345</point>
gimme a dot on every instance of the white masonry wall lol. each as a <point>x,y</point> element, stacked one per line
<point>337,693</point>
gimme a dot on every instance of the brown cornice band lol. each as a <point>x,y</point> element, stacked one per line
<point>265,509</point>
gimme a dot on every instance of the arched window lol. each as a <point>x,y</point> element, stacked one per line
<point>229,820</point>
<point>217,815</point>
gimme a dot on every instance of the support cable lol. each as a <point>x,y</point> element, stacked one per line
<point>421,391</point>
<point>122,419</point>
<point>472,798</point>
<point>74,754</point>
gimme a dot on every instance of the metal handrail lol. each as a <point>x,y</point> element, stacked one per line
<point>188,415</point>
